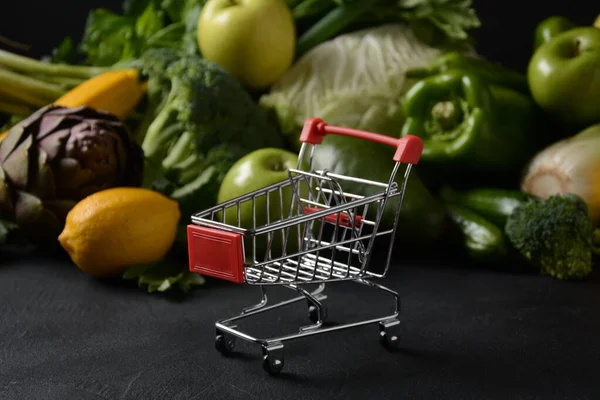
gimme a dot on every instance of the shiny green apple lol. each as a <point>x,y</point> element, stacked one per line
<point>252,39</point>
<point>564,76</point>
<point>256,170</point>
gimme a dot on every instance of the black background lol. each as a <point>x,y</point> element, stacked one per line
<point>467,332</point>
<point>505,35</point>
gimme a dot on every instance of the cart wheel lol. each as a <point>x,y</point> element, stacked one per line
<point>313,314</point>
<point>224,343</point>
<point>389,332</point>
<point>273,359</point>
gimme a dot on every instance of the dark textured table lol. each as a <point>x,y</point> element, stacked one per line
<point>466,333</point>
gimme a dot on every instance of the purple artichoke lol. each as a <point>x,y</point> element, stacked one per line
<point>56,157</point>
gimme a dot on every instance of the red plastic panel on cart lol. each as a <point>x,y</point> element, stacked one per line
<point>216,253</point>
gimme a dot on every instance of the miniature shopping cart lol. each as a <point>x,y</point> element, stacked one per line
<point>311,230</point>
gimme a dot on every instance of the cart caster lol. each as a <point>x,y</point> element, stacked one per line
<point>313,313</point>
<point>273,358</point>
<point>224,343</point>
<point>389,333</point>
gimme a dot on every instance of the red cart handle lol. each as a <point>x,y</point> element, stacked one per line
<point>408,148</point>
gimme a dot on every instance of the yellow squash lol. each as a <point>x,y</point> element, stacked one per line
<point>117,92</point>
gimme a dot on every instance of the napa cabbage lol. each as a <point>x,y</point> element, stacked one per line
<point>356,80</point>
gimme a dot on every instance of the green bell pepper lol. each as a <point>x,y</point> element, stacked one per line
<point>468,121</point>
<point>491,72</point>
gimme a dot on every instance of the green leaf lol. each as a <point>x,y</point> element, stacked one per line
<point>179,9</point>
<point>164,276</point>
<point>65,52</point>
<point>109,38</point>
<point>452,17</point>
<point>150,22</point>
<point>434,21</point>
<point>135,8</point>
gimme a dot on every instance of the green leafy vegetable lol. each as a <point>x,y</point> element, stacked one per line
<point>179,9</point>
<point>65,52</point>
<point>135,8</point>
<point>149,22</point>
<point>163,276</point>
<point>111,38</point>
<point>453,18</point>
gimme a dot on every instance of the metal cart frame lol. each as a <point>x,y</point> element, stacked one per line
<point>287,247</point>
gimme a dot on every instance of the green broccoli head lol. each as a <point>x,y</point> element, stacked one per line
<point>554,235</point>
<point>205,100</point>
<point>153,66</point>
<point>200,123</point>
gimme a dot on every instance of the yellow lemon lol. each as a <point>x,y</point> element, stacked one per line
<point>113,229</point>
<point>597,22</point>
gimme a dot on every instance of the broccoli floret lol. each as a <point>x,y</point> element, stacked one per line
<point>554,235</point>
<point>204,100</point>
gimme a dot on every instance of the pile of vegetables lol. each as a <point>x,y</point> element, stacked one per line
<point>175,92</point>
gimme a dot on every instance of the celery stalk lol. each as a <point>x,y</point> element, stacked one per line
<point>31,66</point>
<point>8,93</point>
<point>42,89</point>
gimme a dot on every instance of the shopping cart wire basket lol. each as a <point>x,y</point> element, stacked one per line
<point>307,229</point>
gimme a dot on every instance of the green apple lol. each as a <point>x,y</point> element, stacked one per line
<point>252,39</point>
<point>254,171</point>
<point>564,76</point>
<point>550,28</point>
